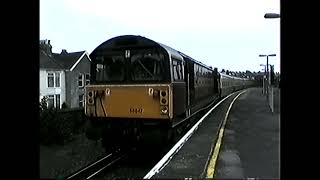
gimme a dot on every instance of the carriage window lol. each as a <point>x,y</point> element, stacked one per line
<point>177,69</point>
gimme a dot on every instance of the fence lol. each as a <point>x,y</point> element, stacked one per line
<point>269,92</point>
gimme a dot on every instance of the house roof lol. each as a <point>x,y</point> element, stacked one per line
<point>62,61</point>
<point>68,60</point>
<point>48,62</point>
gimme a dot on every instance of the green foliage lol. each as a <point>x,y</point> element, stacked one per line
<point>64,105</point>
<point>58,126</point>
<point>43,104</point>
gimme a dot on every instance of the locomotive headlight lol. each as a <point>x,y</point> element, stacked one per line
<point>90,98</point>
<point>164,110</point>
<point>163,93</point>
<point>90,101</point>
<point>163,97</point>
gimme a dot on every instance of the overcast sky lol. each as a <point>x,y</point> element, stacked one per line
<point>227,34</point>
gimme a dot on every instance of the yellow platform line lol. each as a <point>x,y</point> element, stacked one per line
<point>213,161</point>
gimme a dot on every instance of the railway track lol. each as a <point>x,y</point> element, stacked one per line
<point>96,169</point>
<point>98,166</point>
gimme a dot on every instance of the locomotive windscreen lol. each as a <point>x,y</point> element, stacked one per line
<point>110,69</point>
<point>147,67</point>
<point>127,66</point>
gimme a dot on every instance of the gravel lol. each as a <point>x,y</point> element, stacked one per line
<point>62,160</point>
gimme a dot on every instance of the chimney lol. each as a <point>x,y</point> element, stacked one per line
<point>64,51</point>
<point>46,46</point>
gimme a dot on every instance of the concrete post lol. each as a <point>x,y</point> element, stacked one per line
<point>271,99</point>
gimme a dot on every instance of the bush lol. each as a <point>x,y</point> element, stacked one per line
<point>64,105</point>
<point>58,126</point>
<point>76,116</point>
<point>54,128</point>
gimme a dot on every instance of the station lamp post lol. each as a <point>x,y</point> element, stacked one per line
<point>264,67</point>
<point>267,72</point>
<point>263,79</point>
<point>271,15</point>
<point>263,55</point>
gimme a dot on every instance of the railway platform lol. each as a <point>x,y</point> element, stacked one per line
<point>249,146</point>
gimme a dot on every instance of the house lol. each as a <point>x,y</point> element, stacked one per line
<point>63,76</point>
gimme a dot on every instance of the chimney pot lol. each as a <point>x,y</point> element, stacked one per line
<point>64,51</point>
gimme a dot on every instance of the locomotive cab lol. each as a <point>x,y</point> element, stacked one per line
<point>129,84</point>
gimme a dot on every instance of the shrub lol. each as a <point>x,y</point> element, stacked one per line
<point>64,105</point>
<point>55,127</point>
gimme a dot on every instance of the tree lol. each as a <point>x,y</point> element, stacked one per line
<point>43,104</point>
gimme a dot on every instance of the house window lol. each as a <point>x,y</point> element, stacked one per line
<point>57,79</point>
<point>87,79</point>
<point>58,101</point>
<point>54,79</point>
<point>81,100</point>
<point>50,101</point>
<point>50,80</point>
<point>80,80</point>
<point>53,101</point>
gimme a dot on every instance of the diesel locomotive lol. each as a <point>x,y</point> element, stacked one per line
<point>138,84</point>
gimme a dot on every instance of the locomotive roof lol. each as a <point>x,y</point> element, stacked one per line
<point>180,54</point>
<point>128,41</point>
<point>139,41</point>
<point>198,62</point>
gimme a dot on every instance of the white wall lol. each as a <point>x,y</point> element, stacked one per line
<point>44,90</point>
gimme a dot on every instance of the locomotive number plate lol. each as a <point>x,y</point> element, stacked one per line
<point>136,110</point>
